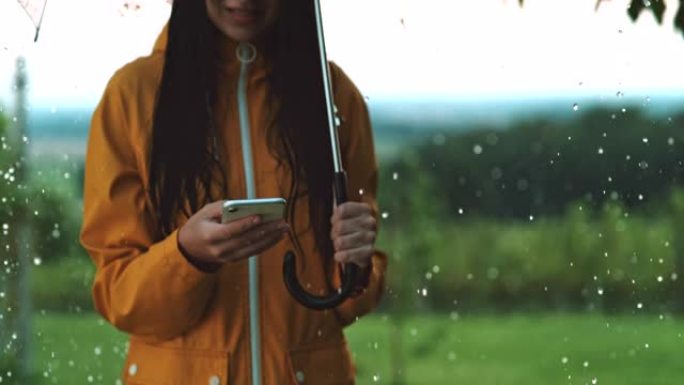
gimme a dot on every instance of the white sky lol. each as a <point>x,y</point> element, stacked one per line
<point>460,48</point>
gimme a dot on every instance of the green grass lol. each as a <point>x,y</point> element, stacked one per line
<point>436,349</point>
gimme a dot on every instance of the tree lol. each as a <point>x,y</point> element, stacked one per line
<point>636,7</point>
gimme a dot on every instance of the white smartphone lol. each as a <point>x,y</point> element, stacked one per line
<point>270,209</point>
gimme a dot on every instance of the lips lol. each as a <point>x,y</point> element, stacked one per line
<point>244,16</point>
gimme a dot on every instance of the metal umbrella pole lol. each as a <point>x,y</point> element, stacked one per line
<point>350,273</point>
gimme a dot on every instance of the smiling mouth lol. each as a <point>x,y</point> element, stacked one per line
<point>244,12</point>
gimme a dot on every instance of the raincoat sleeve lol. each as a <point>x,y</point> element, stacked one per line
<point>358,157</point>
<point>143,287</point>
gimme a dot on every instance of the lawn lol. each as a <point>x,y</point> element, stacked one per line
<point>435,349</point>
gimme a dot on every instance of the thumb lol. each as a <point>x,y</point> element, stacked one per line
<point>213,210</point>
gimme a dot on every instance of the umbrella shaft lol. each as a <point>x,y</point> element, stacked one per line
<point>327,84</point>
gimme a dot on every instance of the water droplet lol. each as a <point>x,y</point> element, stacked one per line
<point>594,381</point>
<point>37,261</point>
<point>385,215</point>
<point>477,149</point>
<point>395,176</point>
<point>640,305</point>
<point>575,107</point>
<point>624,110</point>
<point>585,364</point>
<point>360,191</point>
<point>600,150</point>
<point>673,276</point>
<point>643,165</point>
<point>435,269</point>
<point>564,360</point>
<point>460,211</point>
<point>531,218</point>
<point>67,175</point>
<point>645,140</point>
<point>98,350</point>
<point>424,292</point>
<point>641,197</point>
<point>376,377</point>
<point>670,141</point>
<point>600,291</point>
<point>619,94</point>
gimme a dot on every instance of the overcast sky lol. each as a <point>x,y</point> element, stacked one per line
<point>406,48</point>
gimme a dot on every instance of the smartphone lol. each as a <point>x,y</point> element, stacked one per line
<point>270,209</point>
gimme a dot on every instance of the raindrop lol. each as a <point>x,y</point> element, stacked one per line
<point>660,278</point>
<point>673,276</point>
<point>477,149</point>
<point>531,218</point>
<point>624,110</point>
<point>600,291</point>
<point>564,360</point>
<point>643,165</point>
<point>435,269</point>
<point>670,141</point>
<point>575,107</point>
<point>451,356</point>
<point>55,233</point>
<point>586,364</point>
<point>395,176</point>
<point>600,150</point>
<point>645,140</point>
<point>385,215</point>
<point>640,305</point>
<point>37,261</point>
<point>594,381</point>
<point>376,377</point>
<point>460,211</point>
<point>648,99</point>
<point>414,332</point>
<point>619,94</point>
<point>98,350</point>
<point>641,197</point>
<point>424,292</point>
<point>67,175</point>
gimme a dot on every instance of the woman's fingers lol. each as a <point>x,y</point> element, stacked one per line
<point>252,240</point>
<point>353,241</point>
<point>360,256</point>
<point>349,210</point>
<point>250,248</point>
<point>348,226</point>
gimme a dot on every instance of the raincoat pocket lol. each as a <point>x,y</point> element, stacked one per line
<point>157,365</point>
<point>328,364</point>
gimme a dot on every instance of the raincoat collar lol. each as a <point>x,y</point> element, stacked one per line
<point>226,53</point>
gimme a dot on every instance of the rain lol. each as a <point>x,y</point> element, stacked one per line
<point>530,189</point>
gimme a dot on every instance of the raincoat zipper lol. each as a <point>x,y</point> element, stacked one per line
<point>246,54</point>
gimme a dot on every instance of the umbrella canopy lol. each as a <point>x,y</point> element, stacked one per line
<point>35,10</point>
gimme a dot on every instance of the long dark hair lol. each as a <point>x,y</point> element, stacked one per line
<point>183,167</point>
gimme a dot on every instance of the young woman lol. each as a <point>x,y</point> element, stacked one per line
<point>229,105</point>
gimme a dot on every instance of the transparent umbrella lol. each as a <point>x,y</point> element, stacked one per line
<point>35,10</point>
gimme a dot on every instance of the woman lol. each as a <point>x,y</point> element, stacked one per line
<point>168,143</point>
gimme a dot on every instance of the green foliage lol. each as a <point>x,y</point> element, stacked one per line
<point>539,167</point>
<point>611,262</point>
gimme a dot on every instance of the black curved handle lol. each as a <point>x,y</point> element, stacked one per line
<point>350,274</point>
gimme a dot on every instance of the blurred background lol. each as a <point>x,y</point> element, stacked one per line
<point>531,159</point>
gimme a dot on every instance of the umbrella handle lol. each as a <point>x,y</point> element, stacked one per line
<point>314,302</point>
<point>350,273</point>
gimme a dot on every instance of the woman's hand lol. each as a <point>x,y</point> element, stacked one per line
<point>353,233</point>
<point>203,238</point>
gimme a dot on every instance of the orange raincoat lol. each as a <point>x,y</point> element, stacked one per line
<point>187,326</point>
